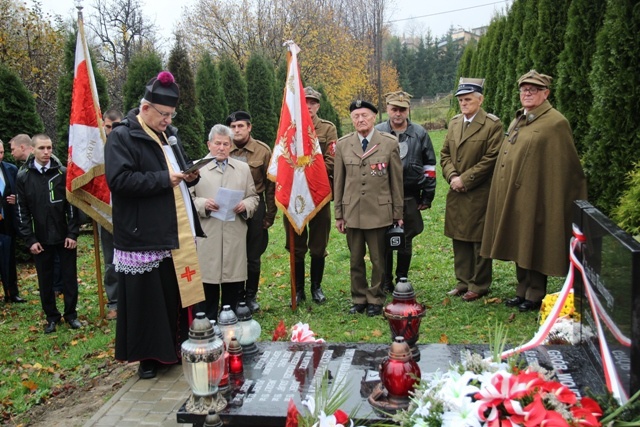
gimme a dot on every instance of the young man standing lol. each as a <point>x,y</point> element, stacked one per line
<point>49,225</point>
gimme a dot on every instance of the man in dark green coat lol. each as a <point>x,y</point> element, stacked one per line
<point>537,177</point>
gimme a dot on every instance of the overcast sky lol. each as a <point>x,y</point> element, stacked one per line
<point>405,15</point>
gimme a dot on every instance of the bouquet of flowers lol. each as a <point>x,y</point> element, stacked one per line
<point>323,408</point>
<point>300,332</point>
<point>479,393</point>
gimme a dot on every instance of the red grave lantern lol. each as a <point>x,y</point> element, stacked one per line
<point>404,315</point>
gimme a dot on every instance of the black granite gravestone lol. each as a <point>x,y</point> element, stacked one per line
<point>282,371</point>
<point>611,260</point>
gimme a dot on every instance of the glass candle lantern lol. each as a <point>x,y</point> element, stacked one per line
<point>404,315</point>
<point>399,372</point>
<point>251,330</point>
<point>228,322</point>
<point>203,366</point>
<point>236,366</point>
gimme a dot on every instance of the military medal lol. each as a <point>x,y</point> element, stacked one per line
<point>373,169</point>
<point>380,166</point>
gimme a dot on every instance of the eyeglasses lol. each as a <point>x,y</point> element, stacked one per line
<point>532,90</point>
<point>165,115</point>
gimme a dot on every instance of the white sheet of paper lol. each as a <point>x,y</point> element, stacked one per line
<point>227,200</point>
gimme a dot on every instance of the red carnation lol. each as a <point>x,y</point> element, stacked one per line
<point>280,331</point>
<point>165,78</point>
<point>341,417</point>
<point>292,415</point>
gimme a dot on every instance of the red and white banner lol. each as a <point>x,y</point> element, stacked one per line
<point>86,184</point>
<point>297,166</point>
<point>600,316</point>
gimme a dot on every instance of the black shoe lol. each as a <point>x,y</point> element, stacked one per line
<point>514,302</point>
<point>252,304</point>
<point>529,306</point>
<point>148,369</point>
<point>74,324</point>
<point>14,298</point>
<point>317,295</point>
<point>51,327</point>
<point>357,308</point>
<point>374,310</point>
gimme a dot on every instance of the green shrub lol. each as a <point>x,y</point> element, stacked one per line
<point>627,213</point>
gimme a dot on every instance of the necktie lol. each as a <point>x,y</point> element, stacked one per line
<point>467,123</point>
<point>43,170</point>
<point>364,144</point>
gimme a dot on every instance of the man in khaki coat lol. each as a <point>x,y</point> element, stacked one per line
<point>257,155</point>
<point>368,198</point>
<point>223,253</point>
<point>468,157</point>
<point>315,238</point>
<point>536,180</point>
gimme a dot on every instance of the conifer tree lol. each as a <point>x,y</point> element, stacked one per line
<point>209,93</point>
<point>65,89</point>
<point>573,94</point>
<point>500,72</point>
<point>549,39</point>
<point>233,84</point>
<point>260,77</point>
<point>17,107</point>
<point>612,144</point>
<point>328,112</point>
<point>529,28</point>
<point>142,68</point>
<point>510,96</point>
<point>464,70</point>
<point>189,120</point>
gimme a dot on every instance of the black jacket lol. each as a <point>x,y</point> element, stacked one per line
<point>417,155</point>
<point>44,215</point>
<point>144,208</point>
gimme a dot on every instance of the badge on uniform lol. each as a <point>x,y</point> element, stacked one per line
<point>378,169</point>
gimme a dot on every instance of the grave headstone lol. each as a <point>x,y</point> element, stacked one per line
<point>282,371</point>
<point>611,260</point>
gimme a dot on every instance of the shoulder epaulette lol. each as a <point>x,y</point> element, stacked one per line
<point>345,136</point>
<point>388,135</point>
<point>493,117</point>
<point>456,116</point>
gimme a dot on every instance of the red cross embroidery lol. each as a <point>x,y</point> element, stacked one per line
<point>188,272</point>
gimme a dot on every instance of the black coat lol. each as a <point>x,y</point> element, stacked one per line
<point>44,214</point>
<point>144,209</point>
<point>10,172</point>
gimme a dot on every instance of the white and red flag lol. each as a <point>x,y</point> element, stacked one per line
<point>297,166</point>
<point>86,183</point>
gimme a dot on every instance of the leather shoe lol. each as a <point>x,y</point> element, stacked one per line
<point>529,305</point>
<point>112,314</point>
<point>357,308</point>
<point>470,296</point>
<point>514,302</point>
<point>74,324</point>
<point>51,327</point>
<point>148,369</point>
<point>455,292</point>
<point>388,287</point>
<point>14,298</point>
<point>374,310</point>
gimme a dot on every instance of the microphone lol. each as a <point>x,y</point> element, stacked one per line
<point>173,142</point>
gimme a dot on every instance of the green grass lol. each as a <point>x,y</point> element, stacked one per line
<point>34,366</point>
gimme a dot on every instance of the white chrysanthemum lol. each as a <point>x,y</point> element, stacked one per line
<point>463,416</point>
<point>456,388</point>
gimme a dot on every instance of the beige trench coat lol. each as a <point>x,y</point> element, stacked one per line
<point>223,253</point>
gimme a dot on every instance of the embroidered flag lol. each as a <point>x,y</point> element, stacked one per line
<point>297,166</point>
<point>86,183</point>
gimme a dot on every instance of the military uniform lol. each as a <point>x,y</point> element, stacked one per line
<point>470,152</point>
<point>257,155</point>
<point>368,197</point>
<point>419,183</point>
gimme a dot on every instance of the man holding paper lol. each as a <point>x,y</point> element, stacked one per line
<point>224,197</point>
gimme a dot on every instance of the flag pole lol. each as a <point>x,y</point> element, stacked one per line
<point>96,252</point>
<point>292,265</point>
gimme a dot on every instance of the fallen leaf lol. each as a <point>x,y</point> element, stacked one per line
<point>512,317</point>
<point>444,339</point>
<point>30,385</point>
<point>376,333</point>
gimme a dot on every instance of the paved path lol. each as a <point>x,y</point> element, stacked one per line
<point>153,402</point>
